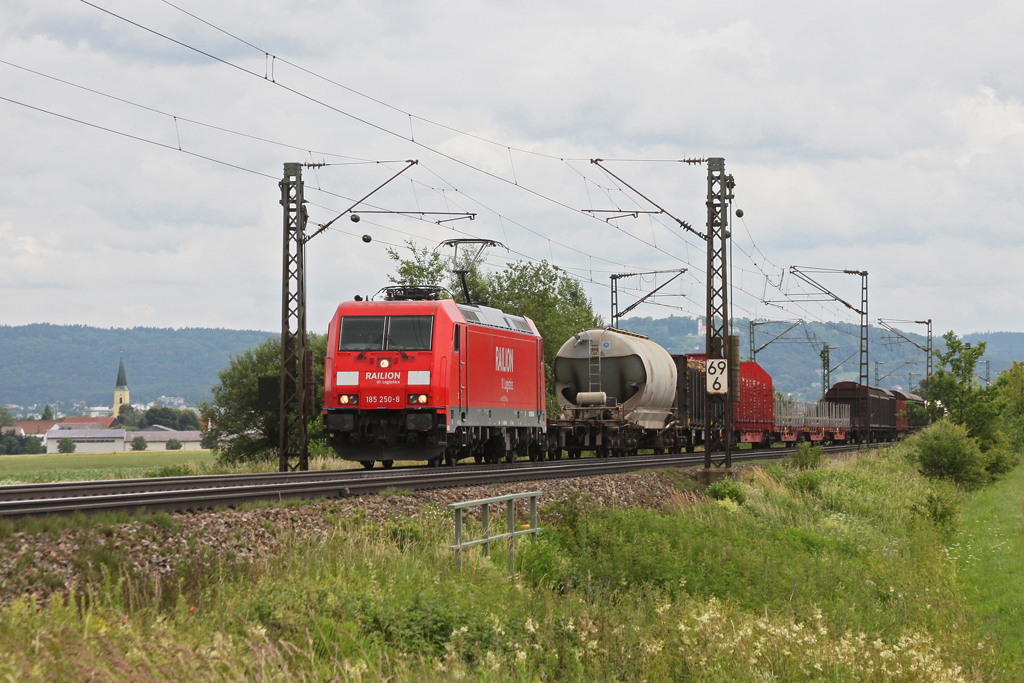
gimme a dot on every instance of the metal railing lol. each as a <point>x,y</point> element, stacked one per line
<point>485,521</point>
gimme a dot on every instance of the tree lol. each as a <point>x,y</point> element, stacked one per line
<point>954,388</point>
<point>66,446</point>
<point>164,417</point>
<point>47,413</point>
<point>427,267</point>
<point>6,419</point>
<point>130,418</point>
<point>17,444</point>
<point>173,445</point>
<point>235,426</point>
<point>1010,402</point>
<point>139,443</point>
<point>555,301</point>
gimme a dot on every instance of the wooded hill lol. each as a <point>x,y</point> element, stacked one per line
<point>64,363</point>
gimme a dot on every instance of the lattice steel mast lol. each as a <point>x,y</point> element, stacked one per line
<point>296,365</point>
<point>719,343</point>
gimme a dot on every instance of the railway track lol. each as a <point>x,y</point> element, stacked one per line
<point>229,490</point>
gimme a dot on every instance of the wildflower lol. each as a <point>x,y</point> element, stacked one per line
<point>531,625</point>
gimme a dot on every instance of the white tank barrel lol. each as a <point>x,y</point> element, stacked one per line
<point>631,369</point>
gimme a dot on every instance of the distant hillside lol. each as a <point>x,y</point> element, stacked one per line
<point>796,367</point>
<point>50,363</point>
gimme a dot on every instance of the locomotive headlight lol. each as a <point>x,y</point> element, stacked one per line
<point>343,400</point>
<point>384,363</point>
<point>348,399</point>
<point>418,398</point>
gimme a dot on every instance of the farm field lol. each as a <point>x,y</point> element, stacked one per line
<point>77,466</point>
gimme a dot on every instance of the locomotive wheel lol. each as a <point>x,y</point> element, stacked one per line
<point>555,455</point>
<point>478,459</point>
<point>387,464</point>
<point>574,454</point>
<point>449,459</point>
<point>368,464</point>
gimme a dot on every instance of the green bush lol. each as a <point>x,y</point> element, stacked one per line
<point>727,488</point>
<point>944,450</point>
<point>173,445</point>
<point>139,443</point>
<point>806,482</point>
<point>808,457</point>
<point>66,446</point>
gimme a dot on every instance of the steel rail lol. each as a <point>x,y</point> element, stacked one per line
<point>198,493</point>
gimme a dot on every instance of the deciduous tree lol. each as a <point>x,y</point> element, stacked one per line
<point>235,426</point>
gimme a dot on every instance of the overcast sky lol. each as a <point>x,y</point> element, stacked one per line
<point>886,137</point>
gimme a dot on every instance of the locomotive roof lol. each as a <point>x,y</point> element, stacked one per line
<point>475,314</point>
<point>493,317</point>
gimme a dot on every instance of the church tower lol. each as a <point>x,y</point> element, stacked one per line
<point>121,390</point>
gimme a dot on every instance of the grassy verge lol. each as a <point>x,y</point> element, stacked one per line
<point>989,551</point>
<point>833,574</point>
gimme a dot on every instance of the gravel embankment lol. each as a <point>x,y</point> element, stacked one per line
<point>45,563</point>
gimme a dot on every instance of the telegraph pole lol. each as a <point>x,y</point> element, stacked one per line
<point>720,344</point>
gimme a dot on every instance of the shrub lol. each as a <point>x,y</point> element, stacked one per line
<point>806,482</point>
<point>941,510</point>
<point>727,488</point>
<point>808,457</point>
<point>945,451</point>
<point>173,445</point>
<point>139,443</point>
<point>171,471</point>
<point>66,446</point>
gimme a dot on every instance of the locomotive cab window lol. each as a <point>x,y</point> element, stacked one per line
<point>361,333</point>
<point>410,332</point>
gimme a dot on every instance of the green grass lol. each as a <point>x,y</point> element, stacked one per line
<point>990,553</point>
<point>833,574</point>
<point>75,466</point>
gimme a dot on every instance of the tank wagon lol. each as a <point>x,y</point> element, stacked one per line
<point>620,392</point>
<point>415,377</point>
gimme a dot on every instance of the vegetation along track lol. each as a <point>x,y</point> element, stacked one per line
<point>197,493</point>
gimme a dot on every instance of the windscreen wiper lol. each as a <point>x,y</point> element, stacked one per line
<point>401,351</point>
<point>374,341</point>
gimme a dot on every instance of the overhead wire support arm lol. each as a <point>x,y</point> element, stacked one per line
<point>681,222</point>
<point>802,272</point>
<point>761,348</point>
<point>616,315</point>
<point>457,215</point>
<point>323,226</point>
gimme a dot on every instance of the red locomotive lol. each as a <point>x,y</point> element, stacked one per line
<point>417,377</point>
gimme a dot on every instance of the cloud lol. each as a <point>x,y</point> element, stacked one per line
<point>871,136</point>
